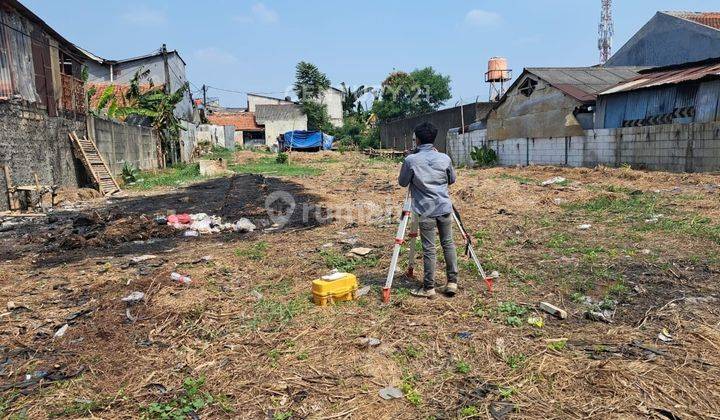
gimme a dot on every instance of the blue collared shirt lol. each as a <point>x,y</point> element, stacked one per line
<point>428,173</point>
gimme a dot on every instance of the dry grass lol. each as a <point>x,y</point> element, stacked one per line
<point>281,356</point>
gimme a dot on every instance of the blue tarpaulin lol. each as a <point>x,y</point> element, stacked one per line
<point>299,139</point>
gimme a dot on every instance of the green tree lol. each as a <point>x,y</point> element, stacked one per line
<point>310,82</point>
<point>317,115</point>
<point>154,104</point>
<point>350,103</point>
<point>309,85</point>
<point>409,94</point>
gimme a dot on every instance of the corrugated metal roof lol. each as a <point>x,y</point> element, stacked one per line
<point>243,121</point>
<point>711,19</point>
<point>277,112</point>
<point>584,83</point>
<point>668,76</point>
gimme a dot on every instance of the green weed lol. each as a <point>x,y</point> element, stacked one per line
<point>254,252</point>
<point>269,165</point>
<point>172,176</point>
<point>345,264</point>
<point>191,400</point>
<point>273,313</point>
<point>507,392</point>
<point>462,367</point>
<point>469,411</point>
<point>512,309</point>
<point>408,388</point>
<point>218,152</point>
<point>557,345</point>
<point>515,360</point>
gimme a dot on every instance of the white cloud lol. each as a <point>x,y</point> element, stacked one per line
<point>483,18</point>
<point>259,13</point>
<point>215,55</point>
<point>145,16</point>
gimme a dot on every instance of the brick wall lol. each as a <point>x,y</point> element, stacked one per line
<point>31,142</point>
<point>672,147</point>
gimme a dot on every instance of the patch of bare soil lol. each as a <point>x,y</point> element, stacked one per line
<point>246,325</point>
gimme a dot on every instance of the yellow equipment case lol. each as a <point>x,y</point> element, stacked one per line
<point>336,287</point>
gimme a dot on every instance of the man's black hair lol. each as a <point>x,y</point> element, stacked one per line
<point>425,133</point>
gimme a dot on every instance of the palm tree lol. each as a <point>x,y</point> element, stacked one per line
<point>351,97</point>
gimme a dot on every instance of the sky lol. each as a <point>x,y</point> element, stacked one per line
<point>253,46</point>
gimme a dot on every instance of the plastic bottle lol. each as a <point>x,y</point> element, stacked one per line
<point>180,278</point>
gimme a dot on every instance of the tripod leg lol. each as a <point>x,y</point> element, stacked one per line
<point>413,235</point>
<point>471,251</point>
<point>399,239</point>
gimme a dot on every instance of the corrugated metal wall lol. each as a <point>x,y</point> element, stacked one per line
<point>701,98</point>
<point>17,74</point>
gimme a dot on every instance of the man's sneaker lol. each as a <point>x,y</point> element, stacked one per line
<point>450,289</point>
<point>421,292</point>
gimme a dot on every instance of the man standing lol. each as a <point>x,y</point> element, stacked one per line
<point>428,173</point>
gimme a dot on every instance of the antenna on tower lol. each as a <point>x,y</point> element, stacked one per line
<point>606,30</point>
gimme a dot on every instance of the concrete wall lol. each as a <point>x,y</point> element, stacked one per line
<point>218,135</point>
<point>547,112</point>
<point>333,99</point>
<point>398,134</point>
<point>31,142</point>
<point>255,100</point>
<point>672,147</point>
<point>667,40</point>
<point>459,146</point>
<point>277,127</point>
<point>119,143</point>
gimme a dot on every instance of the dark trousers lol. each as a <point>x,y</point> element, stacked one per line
<point>443,224</point>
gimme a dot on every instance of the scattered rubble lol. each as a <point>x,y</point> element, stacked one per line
<point>359,252</point>
<point>553,310</point>
<point>390,393</point>
<point>553,180</point>
<point>133,298</point>
<point>61,331</point>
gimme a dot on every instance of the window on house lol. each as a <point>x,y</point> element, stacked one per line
<point>528,86</point>
<point>116,72</point>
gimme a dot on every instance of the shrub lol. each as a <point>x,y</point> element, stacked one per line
<point>484,156</point>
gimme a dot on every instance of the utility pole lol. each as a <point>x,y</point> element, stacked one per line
<point>205,98</point>
<point>167,68</point>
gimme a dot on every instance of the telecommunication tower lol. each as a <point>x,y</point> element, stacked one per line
<point>606,30</point>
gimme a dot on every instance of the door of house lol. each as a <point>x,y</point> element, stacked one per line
<point>43,71</point>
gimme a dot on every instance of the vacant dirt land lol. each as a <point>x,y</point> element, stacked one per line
<point>632,257</point>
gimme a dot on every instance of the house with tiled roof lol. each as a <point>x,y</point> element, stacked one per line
<point>246,128</point>
<point>672,38</point>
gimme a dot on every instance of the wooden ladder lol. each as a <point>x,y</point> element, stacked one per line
<point>95,164</point>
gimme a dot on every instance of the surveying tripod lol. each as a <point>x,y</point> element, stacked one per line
<point>411,219</point>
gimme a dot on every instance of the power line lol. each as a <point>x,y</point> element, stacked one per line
<point>246,92</point>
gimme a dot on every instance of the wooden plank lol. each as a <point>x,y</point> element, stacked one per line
<point>95,163</point>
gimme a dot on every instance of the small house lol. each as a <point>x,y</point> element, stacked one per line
<point>247,130</point>
<point>255,99</point>
<point>279,119</point>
